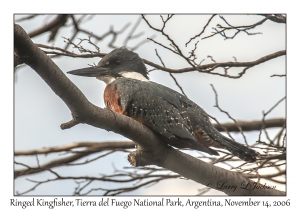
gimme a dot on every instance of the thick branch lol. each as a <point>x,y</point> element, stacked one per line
<point>17,60</point>
<point>85,112</point>
<point>204,173</point>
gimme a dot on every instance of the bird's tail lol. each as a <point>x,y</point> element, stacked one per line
<point>238,149</point>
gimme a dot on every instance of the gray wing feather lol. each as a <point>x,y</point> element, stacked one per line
<point>159,108</point>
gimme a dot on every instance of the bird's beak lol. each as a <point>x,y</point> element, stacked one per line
<point>90,72</point>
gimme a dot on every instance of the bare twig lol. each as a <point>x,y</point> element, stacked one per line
<point>238,29</point>
<point>263,119</point>
<point>93,147</point>
<point>69,159</point>
<point>278,75</point>
<point>175,80</point>
<point>53,27</point>
<point>198,35</point>
<point>25,18</point>
<point>237,124</point>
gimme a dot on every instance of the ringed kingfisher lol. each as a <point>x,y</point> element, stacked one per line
<point>179,121</point>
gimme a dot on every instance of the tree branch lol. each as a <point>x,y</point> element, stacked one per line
<point>96,146</point>
<point>150,146</point>
<point>255,125</point>
<point>206,67</point>
<point>53,27</point>
<point>101,146</point>
<point>198,35</point>
<point>277,18</point>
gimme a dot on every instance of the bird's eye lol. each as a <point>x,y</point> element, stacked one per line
<point>118,62</point>
<point>107,63</point>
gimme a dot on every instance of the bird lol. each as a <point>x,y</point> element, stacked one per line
<point>177,120</point>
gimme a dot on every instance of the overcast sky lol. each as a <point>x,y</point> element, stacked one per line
<point>39,112</point>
